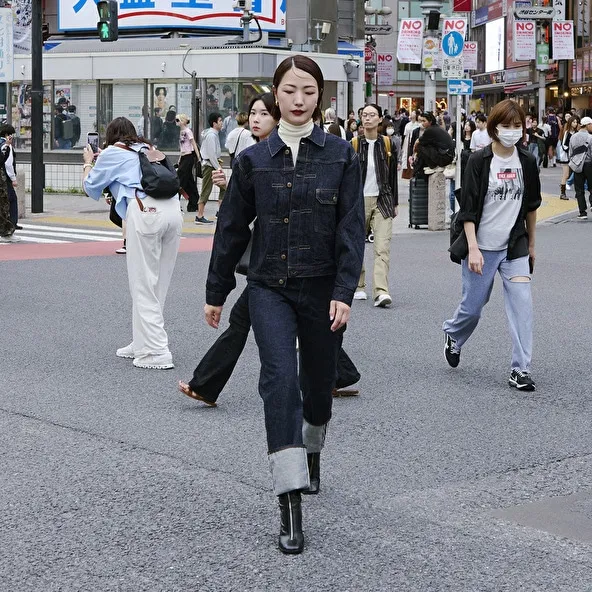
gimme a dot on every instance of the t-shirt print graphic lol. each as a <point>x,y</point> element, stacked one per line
<point>509,185</point>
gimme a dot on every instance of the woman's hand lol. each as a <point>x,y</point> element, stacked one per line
<point>88,154</point>
<point>219,178</point>
<point>339,314</point>
<point>476,260</point>
<point>213,314</point>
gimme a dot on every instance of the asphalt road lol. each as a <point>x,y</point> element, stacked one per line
<point>434,479</point>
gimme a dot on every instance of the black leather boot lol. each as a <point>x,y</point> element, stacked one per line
<point>314,473</point>
<point>291,539</point>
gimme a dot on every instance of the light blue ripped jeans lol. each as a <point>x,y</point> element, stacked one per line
<point>476,290</point>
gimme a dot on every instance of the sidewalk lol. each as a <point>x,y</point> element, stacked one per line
<point>80,210</point>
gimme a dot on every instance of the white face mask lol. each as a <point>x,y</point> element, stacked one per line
<point>390,131</point>
<point>509,137</point>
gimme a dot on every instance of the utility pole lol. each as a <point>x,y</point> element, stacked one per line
<point>37,166</point>
<point>429,95</point>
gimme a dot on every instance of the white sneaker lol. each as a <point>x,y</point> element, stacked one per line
<point>121,250</point>
<point>383,300</point>
<point>360,295</point>
<point>158,362</point>
<point>125,352</point>
<point>9,239</point>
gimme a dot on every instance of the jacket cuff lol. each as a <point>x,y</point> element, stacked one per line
<point>215,298</point>
<point>343,295</point>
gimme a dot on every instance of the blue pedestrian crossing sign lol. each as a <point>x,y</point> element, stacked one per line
<point>460,86</point>
<point>452,44</point>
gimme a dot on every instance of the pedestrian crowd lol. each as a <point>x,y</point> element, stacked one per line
<point>305,192</point>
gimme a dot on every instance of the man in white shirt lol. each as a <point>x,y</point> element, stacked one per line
<point>210,154</point>
<point>480,137</point>
<point>378,160</point>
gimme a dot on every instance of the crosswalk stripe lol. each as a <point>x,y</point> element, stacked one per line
<point>66,235</point>
<point>114,233</point>
<point>30,239</point>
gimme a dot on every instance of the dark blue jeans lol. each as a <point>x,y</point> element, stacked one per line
<point>216,367</point>
<point>279,315</point>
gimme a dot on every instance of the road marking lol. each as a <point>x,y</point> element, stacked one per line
<point>114,233</point>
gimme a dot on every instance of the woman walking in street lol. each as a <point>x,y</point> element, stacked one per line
<point>567,131</point>
<point>189,155</point>
<point>153,235</point>
<point>500,194</point>
<point>217,366</point>
<point>304,188</point>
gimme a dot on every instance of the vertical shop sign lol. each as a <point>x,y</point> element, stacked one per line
<point>563,40</point>
<point>6,45</point>
<point>385,68</point>
<point>409,42</point>
<point>524,40</point>
<point>470,55</point>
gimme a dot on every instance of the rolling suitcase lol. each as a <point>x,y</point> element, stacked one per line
<point>418,202</point>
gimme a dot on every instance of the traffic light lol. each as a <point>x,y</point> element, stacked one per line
<point>107,25</point>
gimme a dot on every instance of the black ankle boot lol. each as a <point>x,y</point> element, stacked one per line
<point>314,473</point>
<point>291,539</point>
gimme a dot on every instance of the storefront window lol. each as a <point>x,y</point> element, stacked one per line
<point>21,115</point>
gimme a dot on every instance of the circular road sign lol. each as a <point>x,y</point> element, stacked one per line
<point>452,44</point>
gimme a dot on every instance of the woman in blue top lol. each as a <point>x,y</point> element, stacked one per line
<point>304,188</point>
<point>153,235</point>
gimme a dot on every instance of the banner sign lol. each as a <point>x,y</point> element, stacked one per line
<point>454,25</point>
<point>410,41</point>
<point>6,45</point>
<point>81,15</point>
<point>470,55</point>
<point>524,41</point>
<point>563,40</point>
<point>385,69</point>
<point>431,53</point>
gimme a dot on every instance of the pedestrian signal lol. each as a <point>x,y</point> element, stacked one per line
<point>107,25</point>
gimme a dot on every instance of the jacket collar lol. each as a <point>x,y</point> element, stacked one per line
<point>275,143</point>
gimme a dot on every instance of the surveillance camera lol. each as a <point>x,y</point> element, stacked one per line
<point>326,29</point>
<point>243,4</point>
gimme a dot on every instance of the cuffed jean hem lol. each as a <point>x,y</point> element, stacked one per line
<point>313,436</point>
<point>289,470</point>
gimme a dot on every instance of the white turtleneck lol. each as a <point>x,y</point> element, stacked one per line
<point>292,134</point>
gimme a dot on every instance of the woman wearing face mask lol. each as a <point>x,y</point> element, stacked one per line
<point>567,131</point>
<point>303,188</point>
<point>388,129</point>
<point>500,194</point>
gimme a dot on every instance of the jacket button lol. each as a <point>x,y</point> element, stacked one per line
<point>287,151</point>
<point>288,185</point>
<point>281,282</point>
<point>334,198</point>
<point>283,257</point>
<point>286,220</point>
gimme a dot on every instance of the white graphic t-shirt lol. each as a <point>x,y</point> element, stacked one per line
<point>502,203</point>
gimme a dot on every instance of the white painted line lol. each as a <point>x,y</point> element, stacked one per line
<point>66,229</point>
<point>29,239</point>
<point>66,235</point>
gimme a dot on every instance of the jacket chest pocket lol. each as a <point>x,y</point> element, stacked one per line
<point>325,211</point>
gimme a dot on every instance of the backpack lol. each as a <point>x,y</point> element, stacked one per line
<point>355,142</point>
<point>554,124</point>
<point>159,179</point>
<point>577,157</point>
<point>67,129</point>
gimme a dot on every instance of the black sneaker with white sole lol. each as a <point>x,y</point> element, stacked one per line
<point>451,352</point>
<point>521,380</point>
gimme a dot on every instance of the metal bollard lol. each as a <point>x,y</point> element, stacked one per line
<point>20,194</point>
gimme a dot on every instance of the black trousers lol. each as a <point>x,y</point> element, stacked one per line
<point>13,202</point>
<point>216,367</point>
<point>187,180</point>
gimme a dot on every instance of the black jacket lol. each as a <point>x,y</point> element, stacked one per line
<point>310,217</point>
<point>475,183</point>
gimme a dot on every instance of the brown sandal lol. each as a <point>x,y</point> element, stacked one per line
<point>184,388</point>
<point>345,393</point>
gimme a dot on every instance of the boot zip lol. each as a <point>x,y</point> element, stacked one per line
<point>291,518</point>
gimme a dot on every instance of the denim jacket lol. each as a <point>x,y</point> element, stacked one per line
<point>310,217</point>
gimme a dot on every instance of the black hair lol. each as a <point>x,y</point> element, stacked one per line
<point>226,88</point>
<point>6,130</point>
<point>121,129</point>
<point>159,88</point>
<point>213,118</point>
<point>430,117</point>
<point>375,106</point>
